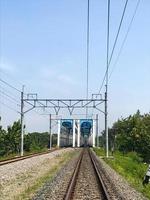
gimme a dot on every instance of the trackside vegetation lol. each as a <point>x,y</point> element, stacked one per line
<point>129,143</point>
<point>33,142</point>
<point>130,166</point>
<point>131,134</point>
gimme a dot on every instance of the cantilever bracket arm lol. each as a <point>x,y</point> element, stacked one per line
<point>31,104</point>
<point>29,109</point>
<point>100,110</point>
<point>87,103</point>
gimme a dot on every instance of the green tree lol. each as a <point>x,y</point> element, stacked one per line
<point>133,134</point>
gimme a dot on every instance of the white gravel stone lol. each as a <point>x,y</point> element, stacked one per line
<point>18,175</point>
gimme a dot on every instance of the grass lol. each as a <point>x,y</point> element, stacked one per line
<point>8,156</point>
<point>99,151</point>
<point>129,166</point>
<point>32,189</point>
<point>13,155</point>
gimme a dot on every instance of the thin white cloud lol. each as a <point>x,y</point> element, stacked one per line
<point>47,73</point>
<point>53,74</point>
<point>6,67</point>
<point>66,79</point>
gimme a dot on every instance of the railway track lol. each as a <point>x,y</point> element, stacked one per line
<point>15,159</point>
<point>86,182</point>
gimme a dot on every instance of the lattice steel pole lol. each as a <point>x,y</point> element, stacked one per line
<point>50,131</point>
<point>21,121</point>
<point>97,139</point>
<point>106,126</point>
<point>58,134</point>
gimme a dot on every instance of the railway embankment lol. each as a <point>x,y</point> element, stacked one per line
<point>127,172</point>
<point>21,179</point>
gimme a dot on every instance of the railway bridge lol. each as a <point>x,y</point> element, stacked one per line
<point>77,132</point>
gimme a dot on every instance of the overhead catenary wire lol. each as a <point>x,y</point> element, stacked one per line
<point>10,101</point>
<point>107,43</point>
<point>5,94</point>
<point>9,92</point>
<point>107,66</point>
<point>9,107</point>
<point>87,53</point>
<point>118,32</point>
<point>114,45</point>
<point>125,38</point>
<point>6,74</point>
<point>87,56</point>
<point>11,86</point>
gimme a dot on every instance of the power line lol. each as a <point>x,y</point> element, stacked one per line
<point>107,66</point>
<point>9,107</point>
<point>116,39</point>
<point>9,100</point>
<point>88,31</point>
<point>87,61</point>
<point>8,75</point>
<point>118,31</point>
<point>9,85</point>
<point>9,96</point>
<point>125,38</point>
<point>107,56</point>
<point>11,93</point>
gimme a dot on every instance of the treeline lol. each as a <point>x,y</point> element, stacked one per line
<point>10,140</point>
<point>131,134</point>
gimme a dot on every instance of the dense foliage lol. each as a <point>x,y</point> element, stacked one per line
<point>10,140</point>
<point>131,134</point>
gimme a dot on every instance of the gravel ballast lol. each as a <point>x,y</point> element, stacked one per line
<point>56,189</point>
<point>17,177</point>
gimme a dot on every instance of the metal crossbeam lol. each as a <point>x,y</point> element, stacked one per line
<point>58,104</point>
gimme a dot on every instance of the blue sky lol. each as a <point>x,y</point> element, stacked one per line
<point>43,45</point>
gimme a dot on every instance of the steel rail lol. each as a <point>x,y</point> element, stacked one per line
<point>100,179</point>
<point>72,183</point>
<point>19,158</point>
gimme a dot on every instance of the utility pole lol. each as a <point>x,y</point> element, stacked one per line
<point>97,142</point>
<point>50,133</point>
<point>106,92</point>
<point>21,120</point>
<point>106,126</point>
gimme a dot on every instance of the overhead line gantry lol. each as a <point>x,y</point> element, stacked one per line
<point>56,105</point>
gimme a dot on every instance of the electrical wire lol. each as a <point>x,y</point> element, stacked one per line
<point>9,107</point>
<point>6,74</point>
<point>6,83</point>
<point>107,56</point>
<point>9,100</point>
<point>125,38</point>
<point>124,10</point>
<point>9,96</point>
<point>10,93</point>
<point>87,53</point>
<point>115,42</point>
<point>88,31</point>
